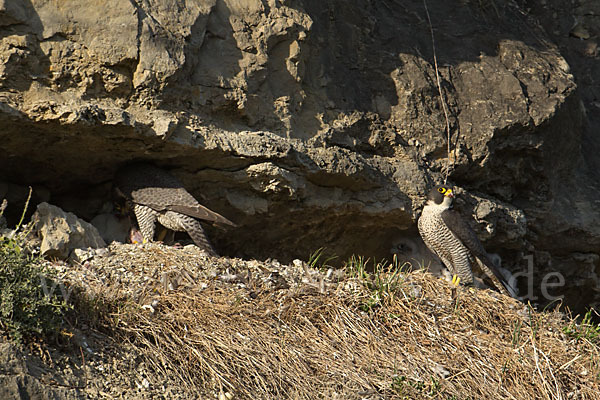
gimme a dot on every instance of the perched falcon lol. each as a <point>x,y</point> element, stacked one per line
<point>155,195</point>
<point>448,236</point>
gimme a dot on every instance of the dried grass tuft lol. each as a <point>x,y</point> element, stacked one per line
<point>264,331</point>
<point>308,342</point>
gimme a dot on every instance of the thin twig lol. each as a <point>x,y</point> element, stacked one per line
<point>24,210</point>
<point>3,206</point>
<point>537,367</point>
<point>439,85</point>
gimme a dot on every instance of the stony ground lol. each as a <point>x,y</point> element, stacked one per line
<point>90,363</point>
<point>170,322</point>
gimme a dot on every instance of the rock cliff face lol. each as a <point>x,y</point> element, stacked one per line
<point>318,124</point>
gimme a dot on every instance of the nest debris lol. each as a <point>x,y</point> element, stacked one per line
<point>261,330</point>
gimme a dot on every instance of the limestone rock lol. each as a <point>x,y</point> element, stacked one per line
<point>314,124</point>
<point>81,256</point>
<point>61,231</point>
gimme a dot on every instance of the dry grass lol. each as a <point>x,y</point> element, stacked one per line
<point>332,341</point>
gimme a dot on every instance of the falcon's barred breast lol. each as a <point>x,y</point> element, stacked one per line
<point>155,195</point>
<point>449,237</point>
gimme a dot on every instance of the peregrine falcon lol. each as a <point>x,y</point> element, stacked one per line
<point>448,236</point>
<point>155,195</point>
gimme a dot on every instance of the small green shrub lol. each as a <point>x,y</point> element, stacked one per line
<point>30,303</point>
<point>410,388</point>
<point>587,329</point>
<point>383,282</point>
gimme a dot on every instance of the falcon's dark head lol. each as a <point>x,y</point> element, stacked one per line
<point>441,194</point>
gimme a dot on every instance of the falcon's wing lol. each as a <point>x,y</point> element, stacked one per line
<point>200,212</point>
<point>456,223</point>
<point>194,210</point>
<point>155,188</point>
<point>467,236</point>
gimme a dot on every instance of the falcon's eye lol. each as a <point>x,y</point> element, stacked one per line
<point>441,190</point>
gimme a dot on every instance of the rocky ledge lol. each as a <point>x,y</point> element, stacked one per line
<point>319,124</point>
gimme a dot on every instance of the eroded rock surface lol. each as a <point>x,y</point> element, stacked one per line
<point>62,232</point>
<point>318,124</point>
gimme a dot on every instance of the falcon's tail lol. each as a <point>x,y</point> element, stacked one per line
<point>499,281</point>
<point>201,212</point>
<point>196,232</point>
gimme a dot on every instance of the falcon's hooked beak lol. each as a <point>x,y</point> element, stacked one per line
<point>449,193</point>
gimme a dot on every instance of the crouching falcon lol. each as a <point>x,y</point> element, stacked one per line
<point>157,196</point>
<point>449,237</point>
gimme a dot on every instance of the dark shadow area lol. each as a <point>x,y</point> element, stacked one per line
<point>355,48</point>
<point>341,234</point>
<point>578,43</point>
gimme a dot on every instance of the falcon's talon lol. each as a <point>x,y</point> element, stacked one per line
<point>455,280</point>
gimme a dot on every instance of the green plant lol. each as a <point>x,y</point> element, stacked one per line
<point>407,387</point>
<point>356,267</point>
<point>30,305</point>
<point>319,260</point>
<point>587,329</point>
<point>401,384</point>
<point>535,322</point>
<point>516,334</point>
<point>382,283</point>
